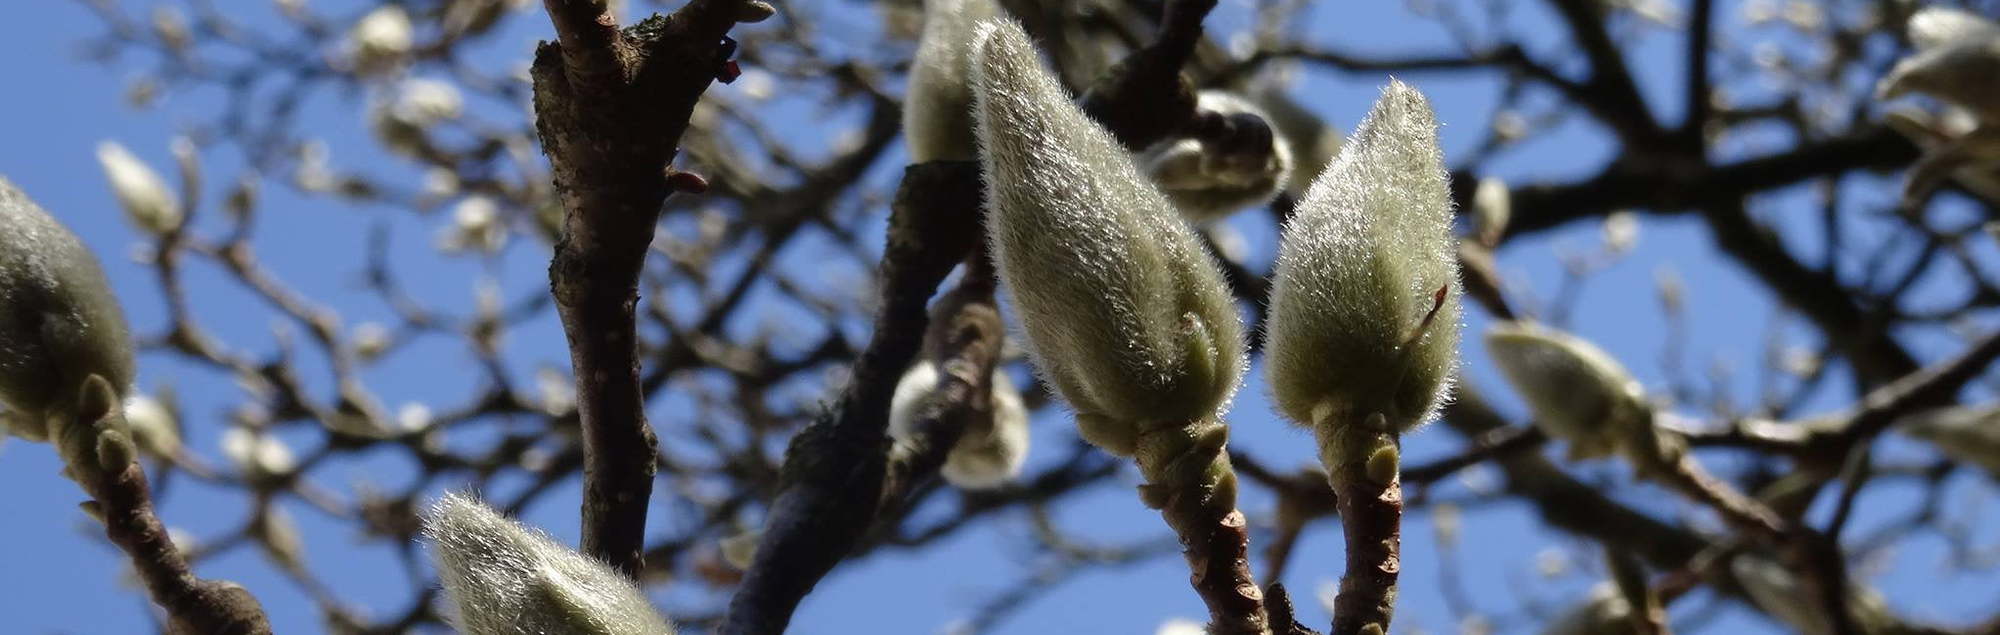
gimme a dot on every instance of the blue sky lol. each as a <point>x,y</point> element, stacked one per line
<point>57,577</point>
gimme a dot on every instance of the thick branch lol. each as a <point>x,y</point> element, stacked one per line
<point>835,469</point>
<point>609,119</point>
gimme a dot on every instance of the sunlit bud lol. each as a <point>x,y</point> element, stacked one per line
<point>256,454</point>
<point>147,200</point>
<point>937,111</point>
<point>1967,434</point>
<point>413,417</point>
<point>1621,231</point>
<point>504,577</point>
<point>1125,313</point>
<point>153,425</point>
<point>381,39</point>
<point>1604,612</point>
<point>989,452</point>
<point>1365,308</point>
<point>476,226</point>
<point>278,535</point>
<point>1958,54</point>
<point>1231,158</point>
<point>59,323</point>
<point>1492,207</point>
<point>1313,143</point>
<point>1575,391</point>
<point>371,340</point>
<point>557,391</point>
<point>1181,626</point>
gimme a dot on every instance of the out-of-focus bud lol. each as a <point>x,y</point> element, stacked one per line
<point>278,535</point>
<point>1492,207</point>
<point>381,39</point>
<point>1181,626</point>
<point>1228,160</point>
<point>1621,231</point>
<point>403,120</point>
<point>1673,293</point>
<point>59,323</point>
<point>741,549</point>
<point>476,226</point>
<point>1575,390</point>
<point>1125,313</point>
<point>1779,593</point>
<point>1365,300</point>
<point>257,455</point>
<point>148,202</point>
<point>153,424</point>
<point>1313,142</point>
<point>504,577</point>
<point>1966,434</point>
<point>1604,612</point>
<point>937,111</point>
<point>989,452</point>
<point>172,28</point>
<point>1958,54</point>
<point>371,340</point>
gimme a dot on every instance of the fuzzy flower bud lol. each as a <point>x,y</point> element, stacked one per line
<point>937,111</point>
<point>1575,390</point>
<point>1365,300</point>
<point>1312,142</point>
<point>148,202</point>
<point>1958,54</point>
<point>1492,208</point>
<point>1126,315</point>
<point>988,453</point>
<point>59,323</point>
<point>381,39</point>
<point>153,425</point>
<point>1231,160</point>
<point>1969,434</point>
<point>504,577</point>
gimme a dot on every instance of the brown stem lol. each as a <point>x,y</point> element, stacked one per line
<point>1365,480</point>
<point>609,120</point>
<point>1189,479</point>
<point>123,501</point>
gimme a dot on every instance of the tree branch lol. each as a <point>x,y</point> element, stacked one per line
<point>610,107</point>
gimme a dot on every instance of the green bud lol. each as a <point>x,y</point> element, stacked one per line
<point>59,323</point>
<point>1575,390</point>
<point>1365,299</point>
<point>937,111</point>
<point>504,577</point>
<point>1125,313</point>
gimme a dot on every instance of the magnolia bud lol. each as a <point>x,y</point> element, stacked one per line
<point>988,453</point>
<point>1231,160</point>
<point>741,549</point>
<point>59,323</point>
<point>937,111</point>
<point>504,577</point>
<point>1969,435</point>
<point>1181,626</point>
<point>153,425</point>
<point>1777,591</point>
<point>257,455</point>
<point>1604,612</point>
<point>1313,143</point>
<point>1365,299</point>
<point>1125,313</point>
<point>381,39</point>
<point>1575,390</point>
<point>1958,54</point>
<point>147,200</point>
<point>1492,207</point>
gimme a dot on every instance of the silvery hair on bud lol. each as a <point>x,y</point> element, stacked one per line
<point>1125,314</point>
<point>1358,273</point>
<point>59,323</point>
<point>505,578</point>
<point>1209,178</point>
<point>937,109</point>
<point>989,452</point>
